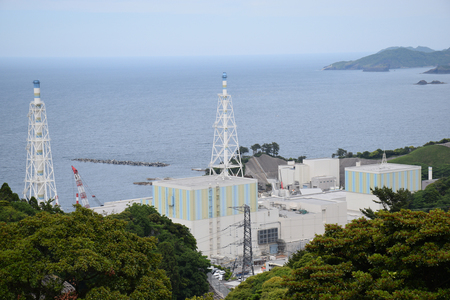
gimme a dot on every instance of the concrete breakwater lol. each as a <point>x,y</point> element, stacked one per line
<point>122,162</point>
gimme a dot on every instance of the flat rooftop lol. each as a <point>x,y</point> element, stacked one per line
<point>381,168</point>
<point>320,198</point>
<point>202,182</point>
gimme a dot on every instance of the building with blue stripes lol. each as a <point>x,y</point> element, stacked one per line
<point>205,197</point>
<point>360,179</point>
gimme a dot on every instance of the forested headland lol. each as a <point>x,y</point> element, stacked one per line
<point>395,58</point>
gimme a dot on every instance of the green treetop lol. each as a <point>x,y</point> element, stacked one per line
<point>96,255</point>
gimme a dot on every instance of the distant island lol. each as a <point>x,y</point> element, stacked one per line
<point>445,69</point>
<point>395,58</point>
<point>423,82</point>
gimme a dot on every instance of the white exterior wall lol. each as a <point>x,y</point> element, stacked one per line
<point>356,201</point>
<point>301,227</point>
<point>302,174</point>
<point>263,219</point>
<point>323,166</point>
<point>116,207</point>
<point>306,226</point>
<point>287,174</point>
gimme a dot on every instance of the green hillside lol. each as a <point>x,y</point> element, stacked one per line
<point>435,156</point>
<point>395,59</point>
<point>418,48</point>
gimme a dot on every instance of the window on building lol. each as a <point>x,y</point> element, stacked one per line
<point>267,236</point>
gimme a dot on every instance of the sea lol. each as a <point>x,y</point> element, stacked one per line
<point>162,109</point>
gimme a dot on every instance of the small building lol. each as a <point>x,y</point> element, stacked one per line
<point>320,173</point>
<point>360,179</point>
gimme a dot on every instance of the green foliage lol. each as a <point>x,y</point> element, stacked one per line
<point>227,274</point>
<point>395,59</point>
<point>7,194</point>
<point>95,254</point>
<point>260,286</point>
<point>400,255</point>
<point>269,149</point>
<point>299,259</point>
<point>255,148</point>
<point>435,195</point>
<point>184,265</point>
<point>243,150</point>
<point>436,156</point>
<point>341,153</point>
<point>390,200</point>
<point>207,296</point>
<point>13,209</point>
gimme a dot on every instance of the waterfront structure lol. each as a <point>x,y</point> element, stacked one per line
<point>40,176</point>
<point>225,156</point>
<point>360,179</point>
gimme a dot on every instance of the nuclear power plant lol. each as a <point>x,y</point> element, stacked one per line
<point>40,176</point>
<point>213,206</point>
<point>230,215</point>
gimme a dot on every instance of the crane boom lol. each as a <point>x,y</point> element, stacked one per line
<point>81,191</point>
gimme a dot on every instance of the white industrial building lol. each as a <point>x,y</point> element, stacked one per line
<point>204,205</point>
<point>360,179</point>
<point>320,173</point>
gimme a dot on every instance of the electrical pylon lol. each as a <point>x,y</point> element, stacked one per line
<point>247,255</point>
<point>225,151</point>
<point>40,177</point>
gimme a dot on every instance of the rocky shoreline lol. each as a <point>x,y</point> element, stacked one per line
<point>122,162</point>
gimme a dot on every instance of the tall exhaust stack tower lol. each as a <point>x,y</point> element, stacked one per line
<point>40,177</point>
<point>225,157</point>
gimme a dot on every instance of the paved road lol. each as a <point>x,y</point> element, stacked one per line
<point>218,286</point>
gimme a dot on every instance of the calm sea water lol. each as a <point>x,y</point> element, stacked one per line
<point>162,109</point>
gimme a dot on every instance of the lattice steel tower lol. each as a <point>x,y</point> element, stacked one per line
<point>225,151</point>
<point>40,177</point>
<point>247,253</point>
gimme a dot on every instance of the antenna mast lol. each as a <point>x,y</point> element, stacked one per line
<point>39,177</point>
<point>225,151</point>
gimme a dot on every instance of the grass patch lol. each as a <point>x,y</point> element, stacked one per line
<point>435,156</point>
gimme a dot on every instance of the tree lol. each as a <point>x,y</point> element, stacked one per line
<point>301,158</point>
<point>275,149</point>
<point>399,255</point>
<point>7,194</point>
<point>435,195</point>
<point>266,285</point>
<point>255,148</point>
<point>14,209</point>
<point>341,153</point>
<point>184,265</point>
<point>207,296</point>
<point>266,148</point>
<point>243,150</point>
<point>390,200</point>
<point>101,260</point>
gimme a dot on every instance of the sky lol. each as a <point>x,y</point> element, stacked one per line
<point>134,28</point>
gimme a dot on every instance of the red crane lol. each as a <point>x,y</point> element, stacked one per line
<point>81,191</point>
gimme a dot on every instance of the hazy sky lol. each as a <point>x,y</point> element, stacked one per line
<point>46,28</point>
